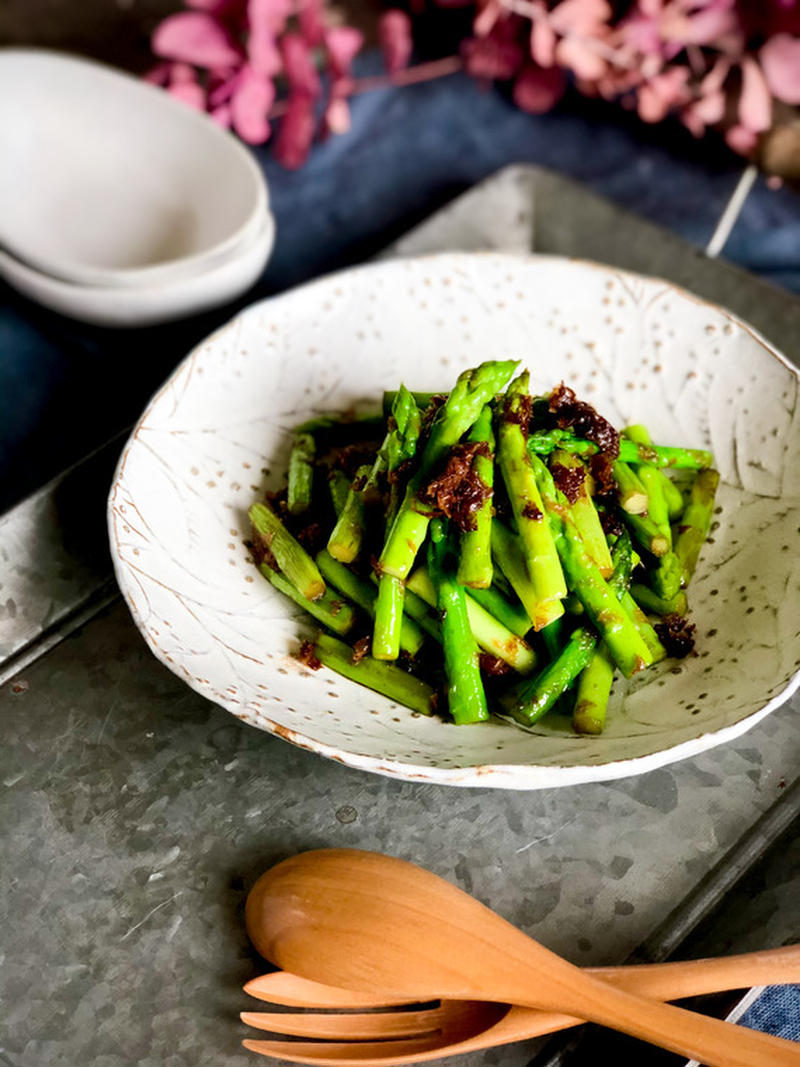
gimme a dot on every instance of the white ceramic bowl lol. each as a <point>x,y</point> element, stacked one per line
<point>217,434</point>
<point>107,181</point>
<point>146,305</point>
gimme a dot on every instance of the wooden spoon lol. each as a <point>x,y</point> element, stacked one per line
<point>367,921</point>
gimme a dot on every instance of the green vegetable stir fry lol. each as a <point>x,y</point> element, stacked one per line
<point>488,550</point>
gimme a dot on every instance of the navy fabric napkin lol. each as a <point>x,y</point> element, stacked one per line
<point>776,1011</point>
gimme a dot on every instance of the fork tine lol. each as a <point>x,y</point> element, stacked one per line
<point>353,1027</point>
<point>280,987</point>
<point>347,1053</point>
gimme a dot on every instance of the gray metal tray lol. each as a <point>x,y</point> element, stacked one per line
<point>140,814</point>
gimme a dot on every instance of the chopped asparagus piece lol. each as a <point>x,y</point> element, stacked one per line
<point>510,557</point>
<point>401,443</point>
<point>301,474</point>
<point>466,698</point>
<point>388,618</point>
<point>592,692</point>
<point>330,609</point>
<point>473,390</point>
<point>696,522</point>
<point>541,555</point>
<point>487,630</point>
<point>512,615</point>
<point>642,624</point>
<point>631,493</point>
<point>475,561</point>
<point>339,487</point>
<point>393,682</point>
<point>347,535</point>
<point>365,595</point>
<point>586,518</point>
<point>289,554</point>
<point>656,605</point>
<point>663,456</point>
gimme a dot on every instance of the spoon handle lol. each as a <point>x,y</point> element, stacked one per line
<point>660,981</point>
<point>711,1041</point>
<point>692,978</point>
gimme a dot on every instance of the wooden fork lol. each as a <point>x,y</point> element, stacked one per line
<point>457,1026</point>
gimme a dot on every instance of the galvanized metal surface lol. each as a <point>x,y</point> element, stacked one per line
<point>141,814</point>
<point>54,561</point>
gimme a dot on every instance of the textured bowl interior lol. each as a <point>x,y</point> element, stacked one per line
<point>217,435</point>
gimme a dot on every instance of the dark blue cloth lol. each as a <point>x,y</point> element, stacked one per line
<point>66,387</point>
<point>776,1011</point>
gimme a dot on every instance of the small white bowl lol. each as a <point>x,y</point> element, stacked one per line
<point>108,181</point>
<point>147,304</point>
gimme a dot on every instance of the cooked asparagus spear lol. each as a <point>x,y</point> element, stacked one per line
<point>388,618</point>
<point>512,615</point>
<point>401,441</point>
<point>630,491</point>
<point>528,701</point>
<point>674,499</point>
<point>553,636</point>
<point>696,522</point>
<point>365,595</point>
<point>598,598</point>
<point>585,515</point>
<point>473,390</point>
<point>475,561</point>
<point>656,605</point>
<point>541,555</point>
<point>422,400</point>
<point>289,554</point>
<point>666,502</point>
<point>465,695</point>
<point>592,692</point>
<point>301,474</point>
<point>339,487</point>
<point>385,678</point>
<point>330,609</point>
<point>487,630</point>
<point>347,535</point>
<point>399,447</point>
<point>643,625</point>
<point>510,557</point>
<point>543,442</point>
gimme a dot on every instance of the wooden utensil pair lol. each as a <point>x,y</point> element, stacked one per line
<point>391,933</point>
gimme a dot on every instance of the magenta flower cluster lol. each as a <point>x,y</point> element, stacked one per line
<point>228,57</point>
<point>713,63</point>
<point>710,62</point>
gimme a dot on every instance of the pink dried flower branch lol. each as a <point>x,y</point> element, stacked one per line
<point>227,56</point>
<point>706,61</point>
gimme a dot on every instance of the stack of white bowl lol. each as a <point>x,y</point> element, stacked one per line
<point>119,205</point>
